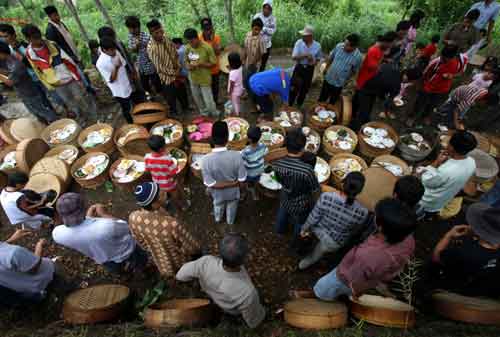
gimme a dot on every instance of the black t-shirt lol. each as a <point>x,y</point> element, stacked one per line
<point>387,81</point>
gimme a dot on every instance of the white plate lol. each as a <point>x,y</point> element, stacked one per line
<point>269,183</point>
<point>306,130</point>
<point>285,124</point>
<point>417,137</point>
<point>388,142</point>
<point>277,138</point>
<point>97,160</point>
<point>343,145</point>
<point>368,131</point>
<point>381,132</point>
<point>323,114</point>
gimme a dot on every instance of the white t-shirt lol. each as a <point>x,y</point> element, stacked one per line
<point>16,262</point>
<point>16,216</point>
<point>120,87</point>
<point>101,239</point>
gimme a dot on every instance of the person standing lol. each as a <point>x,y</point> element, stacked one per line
<point>254,49</point>
<point>235,84</point>
<point>163,54</point>
<point>182,80</point>
<point>208,36</point>
<point>463,34</point>
<point>415,20</point>
<point>489,10</point>
<point>306,53</point>
<point>343,63</point>
<point>269,21</point>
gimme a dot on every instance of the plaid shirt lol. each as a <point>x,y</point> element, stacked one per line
<point>146,67</point>
<point>165,58</point>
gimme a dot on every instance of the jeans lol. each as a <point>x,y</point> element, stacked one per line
<point>363,106</point>
<point>136,260</point>
<point>446,113</point>
<point>284,219</point>
<point>231,208</point>
<point>151,81</point>
<point>265,103</point>
<point>264,59</point>
<point>321,248</point>
<point>39,106</point>
<point>330,287</point>
<point>77,100</point>
<point>300,83</point>
<point>204,99</point>
<point>329,92</point>
<point>126,105</point>
<point>182,93</point>
<point>215,87</point>
<point>169,92</point>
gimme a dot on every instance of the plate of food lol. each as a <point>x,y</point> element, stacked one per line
<point>343,167</point>
<point>269,181</point>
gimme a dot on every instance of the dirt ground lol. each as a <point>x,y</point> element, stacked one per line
<point>271,266</point>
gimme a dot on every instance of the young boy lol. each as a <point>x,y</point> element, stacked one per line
<point>253,157</point>
<point>181,79</point>
<point>254,49</point>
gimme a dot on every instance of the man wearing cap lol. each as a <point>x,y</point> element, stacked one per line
<point>168,241</point>
<point>306,53</point>
<point>97,235</point>
<point>269,21</point>
<point>468,255</point>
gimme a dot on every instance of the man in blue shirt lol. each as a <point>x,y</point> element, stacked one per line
<point>489,13</point>
<point>263,84</point>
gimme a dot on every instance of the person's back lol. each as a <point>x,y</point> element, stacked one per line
<point>223,165</point>
<point>297,177</point>
<point>274,81</point>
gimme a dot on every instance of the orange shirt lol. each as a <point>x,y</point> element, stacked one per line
<point>215,41</point>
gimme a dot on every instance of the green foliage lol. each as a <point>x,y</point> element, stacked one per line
<point>151,297</point>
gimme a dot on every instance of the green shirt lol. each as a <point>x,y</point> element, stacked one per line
<point>203,54</point>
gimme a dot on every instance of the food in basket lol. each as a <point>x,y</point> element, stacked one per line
<point>93,167</point>
<point>415,141</point>
<point>60,135</point>
<point>238,129</point>
<point>395,169</point>
<point>171,132</point>
<point>196,161</point>
<point>200,129</point>
<point>269,181</point>
<point>343,167</point>
<point>123,139</point>
<point>68,155</point>
<point>398,101</point>
<point>341,139</point>
<point>129,170</point>
<point>322,170</point>
<point>271,136</point>
<point>323,115</point>
<point>181,158</point>
<point>9,161</point>
<point>98,137</point>
<point>289,119</point>
<point>313,141</point>
<point>378,138</point>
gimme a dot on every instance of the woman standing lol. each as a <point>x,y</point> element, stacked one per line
<point>269,29</point>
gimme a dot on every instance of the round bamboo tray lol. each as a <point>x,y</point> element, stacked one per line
<point>320,125</point>
<point>242,142</point>
<point>53,166</point>
<point>95,304</point>
<point>58,125</point>
<point>3,180</point>
<point>336,180</point>
<point>332,150</point>
<point>94,182</point>
<point>107,147</point>
<point>309,146</point>
<point>460,308</point>
<point>274,126</point>
<point>24,128</point>
<point>379,184</point>
<point>176,143</point>
<point>314,314</point>
<point>5,151</point>
<point>133,143</point>
<point>182,165</point>
<point>54,152</point>
<point>28,152</point>
<point>130,186</point>
<point>370,151</point>
<point>392,160</point>
<point>486,166</point>
<point>289,110</point>
<point>483,143</point>
<point>383,311</point>
<point>200,119</point>
<point>43,182</point>
<point>197,148</point>
<point>5,132</point>
<point>179,313</point>
<point>149,112</point>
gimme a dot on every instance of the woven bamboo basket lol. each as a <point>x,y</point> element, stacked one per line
<point>379,184</point>
<point>346,110</point>
<point>483,143</point>
<point>370,151</point>
<point>6,150</point>
<point>392,160</point>
<point>94,182</point>
<point>179,141</point>
<point>182,164</point>
<point>60,124</point>
<point>289,110</point>
<point>179,313</point>
<point>242,142</point>
<point>312,133</point>
<point>95,304</point>
<point>192,122</point>
<point>43,182</point>
<point>107,147</point>
<point>149,112</point>
<point>3,180</point>
<point>332,150</point>
<point>271,194</point>
<point>5,132</point>
<point>494,145</point>
<point>24,128</point>
<point>275,154</point>
<point>28,152</point>
<point>314,314</point>
<point>197,148</point>
<point>56,151</point>
<point>130,143</point>
<point>274,126</point>
<point>320,125</point>
<point>53,166</point>
<point>476,310</point>
<point>130,186</point>
<point>486,166</point>
<point>336,180</point>
<point>383,311</point>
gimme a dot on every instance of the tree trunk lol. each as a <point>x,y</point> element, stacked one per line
<point>228,4</point>
<point>205,6</point>
<point>74,12</point>
<point>195,9</point>
<point>104,12</point>
<point>23,5</point>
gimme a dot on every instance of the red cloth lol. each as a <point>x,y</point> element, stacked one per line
<point>434,82</point>
<point>370,65</point>
<point>163,169</point>
<point>374,261</point>
<point>429,50</point>
<point>44,54</point>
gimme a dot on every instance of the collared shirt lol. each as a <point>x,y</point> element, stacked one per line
<point>169,243</point>
<point>274,81</point>
<point>255,47</point>
<point>213,43</point>
<point>121,86</point>
<point>344,65</point>
<point>302,48</point>
<point>165,58</point>
<point>269,27</point>
<point>462,37</point>
<point>146,67</point>
<point>488,13</point>
<point>163,169</point>
<point>434,80</point>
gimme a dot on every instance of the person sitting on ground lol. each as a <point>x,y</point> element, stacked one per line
<point>163,236</point>
<point>253,157</point>
<point>375,262</point>
<point>225,280</point>
<point>467,259</point>
<point>266,83</point>
<point>335,219</point>
<point>463,34</point>
<point>97,234</point>
<point>448,174</point>
<point>409,190</point>
<point>223,172</point>
<point>24,275</point>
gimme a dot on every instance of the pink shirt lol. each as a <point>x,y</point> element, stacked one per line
<point>236,76</point>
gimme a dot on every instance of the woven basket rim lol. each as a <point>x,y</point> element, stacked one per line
<point>35,125</point>
<point>149,106</point>
<point>381,125</point>
<point>5,132</point>
<point>339,307</point>
<point>77,164</point>
<point>57,125</point>
<point>74,296</point>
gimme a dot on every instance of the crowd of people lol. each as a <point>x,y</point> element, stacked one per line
<point>48,72</point>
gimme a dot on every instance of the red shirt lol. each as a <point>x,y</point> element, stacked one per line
<point>163,169</point>
<point>370,65</point>
<point>429,50</point>
<point>434,82</point>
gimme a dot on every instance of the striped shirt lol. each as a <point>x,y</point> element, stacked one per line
<point>146,67</point>
<point>344,65</point>
<point>253,158</point>
<point>466,95</point>
<point>165,59</point>
<point>163,169</point>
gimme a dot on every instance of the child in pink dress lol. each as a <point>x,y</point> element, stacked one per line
<point>235,84</point>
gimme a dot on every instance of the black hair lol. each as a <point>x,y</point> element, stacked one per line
<point>4,48</point>
<point>420,45</point>
<point>233,249</point>
<point>93,44</point>
<point>153,24</point>
<point>156,143</point>
<point>31,31</point>
<point>387,37</point>
<point>257,22</point>
<point>132,22</point>
<point>353,39</point>
<point>106,31</point>
<point>435,38</point>
<point>234,60</point>
<point>416,17</point>
<point>7,29</point>
<point>463,142</point>
<point>403,25</point>
<point>352,186</point>
<point>177,40</point>
<point>449,51</point>
<point>31,196</point>
<point>483,31</point>
<point>473,15</point>
<point>190,34</point>
<point>206,22</point>
<point>309,158</point>
<point>295,141</point>
<point>395,219</point>
<point>254,134</point>
<point>16,178</point>
<point>490,60</point>
<point>50,10</point>
<point>409,190</point>
<point>220,133</point>
<point>107,43</point>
